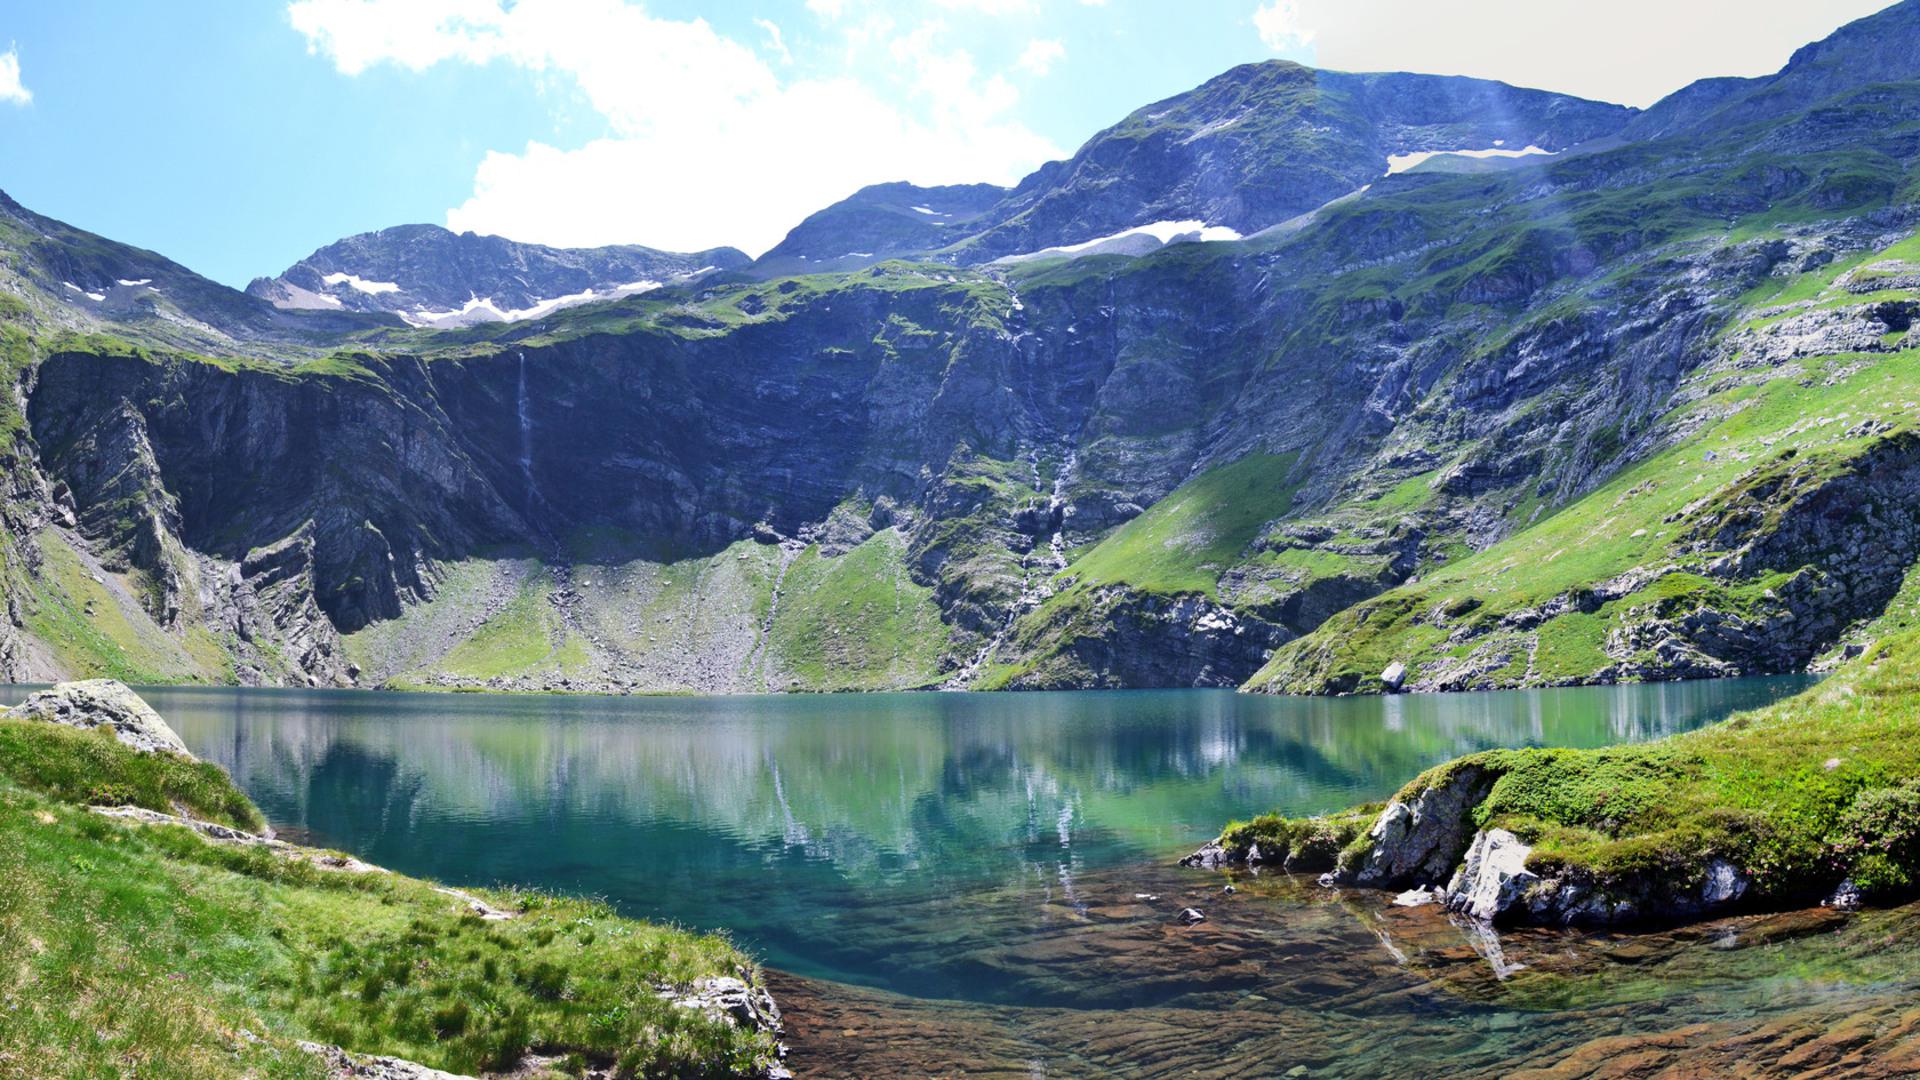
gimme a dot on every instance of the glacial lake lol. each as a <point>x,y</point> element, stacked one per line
<point>1006,856</point>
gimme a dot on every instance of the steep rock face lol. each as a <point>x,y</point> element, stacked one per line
<point>252,456</point>
<point>268,600</point>
<point>1127,638</point>
<point>425,273</point>
<point>1102,471</point>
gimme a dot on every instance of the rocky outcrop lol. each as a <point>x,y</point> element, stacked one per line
<point>736,1002</point>
<point>97,703</point>
<point>1123,637</point>
<point>1426,847</point>
<point>729,999</point>
<point>268,599</point>
<point>1418,840</point>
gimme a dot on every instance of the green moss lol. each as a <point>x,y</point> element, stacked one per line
<point>1305,845</point>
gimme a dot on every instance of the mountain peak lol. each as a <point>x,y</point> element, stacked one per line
<point>432,276</point>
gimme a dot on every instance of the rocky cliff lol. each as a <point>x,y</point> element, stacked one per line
<point>1628,410</point>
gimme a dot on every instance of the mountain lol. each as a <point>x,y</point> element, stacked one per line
<point>80,280</point>
<point>879,222</point>
<point>1264,143</point>
<point>1255,148</point>
<point>1637,409</point>
<point>431,276</point>
<point>1873,50</point>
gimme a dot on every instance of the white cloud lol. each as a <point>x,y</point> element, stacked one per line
<point>11,89</point>
<point>1629,51</point>
<point>988,7</point>
<point>705,145</point>
<point>774,36</point>
<point>1041,55</point>
<point>1279,25</point>
<point>827,9</point>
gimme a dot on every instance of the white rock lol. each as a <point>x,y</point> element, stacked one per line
<point>96,703</point>
<point>1494,877</point>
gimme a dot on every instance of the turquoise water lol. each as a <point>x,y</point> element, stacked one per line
<point>855,838</point>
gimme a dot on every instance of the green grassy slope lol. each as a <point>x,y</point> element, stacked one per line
<point>707,623</point>
<point>146,950</point>
<point>1184,542</point>
<point>1742,432</point>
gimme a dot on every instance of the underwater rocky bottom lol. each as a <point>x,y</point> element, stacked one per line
<point>1286,979</point>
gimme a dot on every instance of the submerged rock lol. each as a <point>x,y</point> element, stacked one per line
<point>103,703</point>
<point>1211,857</point>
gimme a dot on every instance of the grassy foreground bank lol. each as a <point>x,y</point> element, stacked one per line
<point>146,950</point>
<point>1799,796</point>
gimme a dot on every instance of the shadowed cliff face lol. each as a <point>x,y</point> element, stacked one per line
<point>961,416</point>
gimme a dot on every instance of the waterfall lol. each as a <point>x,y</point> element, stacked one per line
<point>526,433</point>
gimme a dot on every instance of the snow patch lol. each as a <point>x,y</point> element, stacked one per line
<point>928,210</point>
<point>93,296</point>
<point>1399,163</point>
<point>130,284</point>
<point>1160,232</point>
<point>483,309</point>
<point>371,288</point>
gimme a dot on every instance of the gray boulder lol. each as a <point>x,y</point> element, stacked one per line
<point>103,703</point>
<point>727,998</point>
<point>1418,842</point>
<point>344,1066</point>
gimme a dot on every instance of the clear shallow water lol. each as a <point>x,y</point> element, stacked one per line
<point>855,838</point>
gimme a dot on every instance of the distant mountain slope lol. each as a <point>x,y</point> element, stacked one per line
<point>85,279</point>
<point>879,222</point>
<point>1877,49</point>
<point>432,276</point>
<point>1266,142</point>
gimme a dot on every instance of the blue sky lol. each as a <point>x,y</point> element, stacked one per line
<point>238,135</point>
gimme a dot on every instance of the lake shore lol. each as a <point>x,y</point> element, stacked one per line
<point>1812,799</point>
